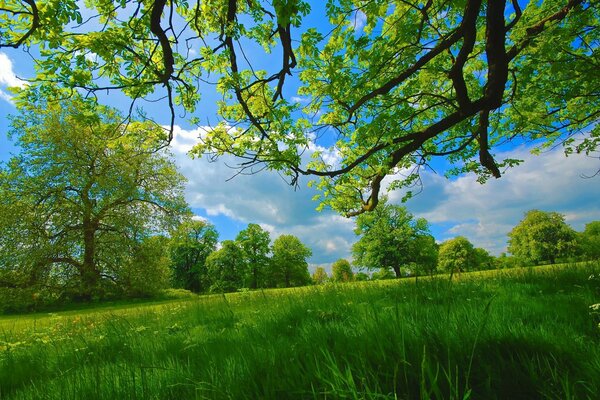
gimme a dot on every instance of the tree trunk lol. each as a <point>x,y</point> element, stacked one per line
<point>90,277</point>
<point>396,269</point>
<point>254,283</point>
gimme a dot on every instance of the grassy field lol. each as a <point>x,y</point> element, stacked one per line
<point>519,334</point>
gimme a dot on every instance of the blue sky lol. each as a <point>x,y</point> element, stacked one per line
<point>461,206</point>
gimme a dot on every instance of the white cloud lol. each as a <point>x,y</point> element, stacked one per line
<point>8,78</point>
<point>300,99</point>
<point>263,198</point>
<point>7,75</point>
<point>6,97</point>
<point>199,218</point>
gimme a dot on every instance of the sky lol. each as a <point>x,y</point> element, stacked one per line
<point>460,206</point>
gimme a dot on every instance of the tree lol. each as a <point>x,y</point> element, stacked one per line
<point>541,236</point>
<point>382,274</point>
<point>191,244</point>
<point>457,255</point>
<point>147,270</point>
<point>590,241</point>
<point>419,80</point>
<point>342,271</point>
<point>361,276</point>
<point>425,250</point>
<point>288,264</point>
<point>390,238</point>
<point>255,242</point>
<point>86,190</point>
<point>483,259</point>
<point>319,277</point>
<point>226,268</point>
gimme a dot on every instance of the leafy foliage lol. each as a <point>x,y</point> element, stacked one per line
<point>147,272</point>
<point>392,238</point>
<point>392,84</point>
<point>320,276</point>
<point>226,267</point>
<point>542,236</point>
<point>288,264</point>
<point>341,271</point>
<point>191,243</point>
<point>83,194</point>
<point>457,255</point>
<point>589,241</point>
<point>255,244</point>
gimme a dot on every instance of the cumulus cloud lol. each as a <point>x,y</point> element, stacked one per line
<point>8,78</point>
<point>265,198</point>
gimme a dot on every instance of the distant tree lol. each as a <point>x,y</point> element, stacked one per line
<point>319,277</point>
<point>148,270</point>
<point>191,244</point>
<point>483,259</point>
<point>426,251</point>
<point>542,236</point>
<point>506,261</point>
<point>342,271</point>
<point>361,276</point>
<point>226,268</point>
<point>457,255</point>
<point>390,238</point>
<point>382,274</point>
<point>288,264</point>
<point>255,244</point>
<point>84,191</point>
<point>589,241</point>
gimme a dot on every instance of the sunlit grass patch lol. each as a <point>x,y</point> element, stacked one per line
<point>507,334</point>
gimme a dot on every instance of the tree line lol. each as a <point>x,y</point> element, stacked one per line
<point>92,207</point>
<point>393,244</point>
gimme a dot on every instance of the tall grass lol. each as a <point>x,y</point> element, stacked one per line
<point>523,334</point>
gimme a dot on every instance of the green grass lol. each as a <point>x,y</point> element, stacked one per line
<point>519,334</point>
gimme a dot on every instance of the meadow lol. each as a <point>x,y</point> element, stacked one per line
<point>510,334</point>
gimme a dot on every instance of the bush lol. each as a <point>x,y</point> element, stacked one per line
<point>174,294</point>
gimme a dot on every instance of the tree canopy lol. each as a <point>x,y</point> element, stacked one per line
<point>191,243</point>
<point>542,236</point>
<point>457,255</point>
<point>392,238</point>
<point>341,271</point>
<point>590,241</point>
<point>255,244</point>
<point>83,195</point>
<point>288,264</point>
<point>376,89</point>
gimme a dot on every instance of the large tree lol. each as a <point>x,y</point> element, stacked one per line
<point>382,86</point>
<point>191,243</point>
<point>390,237</point>
<point>255,243</point>
<point>288,264</point>
<point>542,236</point>
<point>83,192</point>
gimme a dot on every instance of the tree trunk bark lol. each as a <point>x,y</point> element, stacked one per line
<point>90,277</point>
